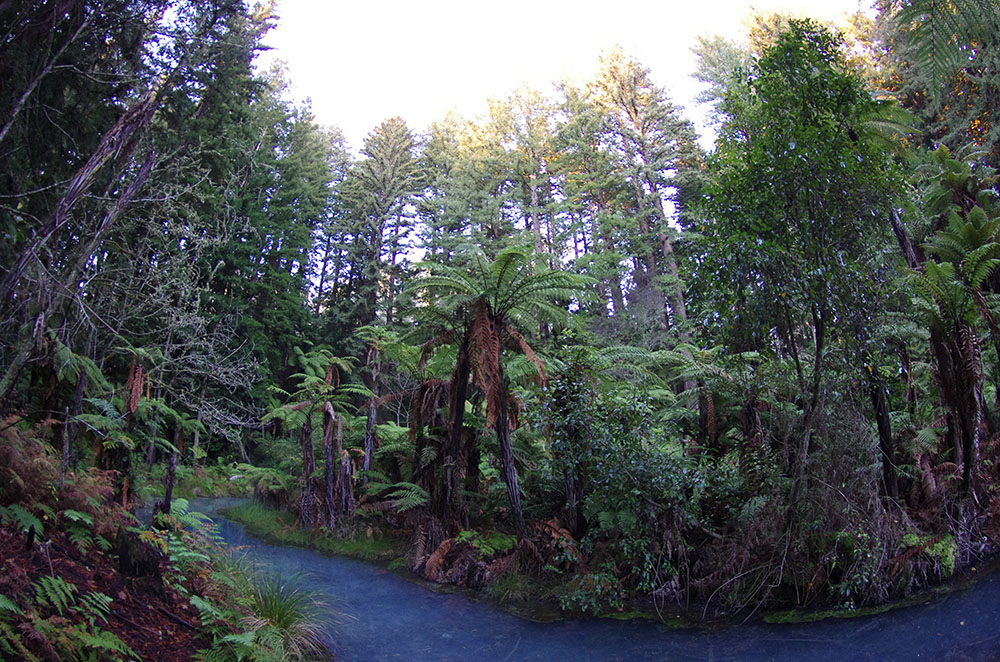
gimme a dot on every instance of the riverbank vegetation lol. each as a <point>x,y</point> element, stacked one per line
<point>84,579</point>
<point>559,341</point>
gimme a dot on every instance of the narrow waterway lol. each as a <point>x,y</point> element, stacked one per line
<point>385,617</point>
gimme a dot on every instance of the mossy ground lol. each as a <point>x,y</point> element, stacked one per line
<point>273,526</point>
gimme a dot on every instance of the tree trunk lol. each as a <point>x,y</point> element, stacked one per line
<point>502,427</point>
<point>345,494</point>
<point>306,504</point>
<point>886,450</point>
<point>329,420</point>
<point>536,219</point>
<point>64,455</point>
<point>71,426</point>
<point>369,449</point>
<point>456,422</point>
<point>175,453</point>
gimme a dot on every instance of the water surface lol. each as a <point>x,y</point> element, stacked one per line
<point>389,618</point>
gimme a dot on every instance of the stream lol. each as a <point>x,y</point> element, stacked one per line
<point>386,617</point>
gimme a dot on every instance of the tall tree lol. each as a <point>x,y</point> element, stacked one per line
<point>650,144</point>
<point>381,189</point>
<point>793,212</point>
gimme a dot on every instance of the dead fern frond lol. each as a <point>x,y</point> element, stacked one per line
<point>435,563</point>
<point>501,567</point>
<point>419,548</point>
<point>485,359</point>
<point>135,380</point>
<point>529,557</point>
<point>528,351</point>
<point>428,348</point>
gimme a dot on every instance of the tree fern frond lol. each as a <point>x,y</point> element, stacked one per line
<point>408,495</point>
<point>948,34</point>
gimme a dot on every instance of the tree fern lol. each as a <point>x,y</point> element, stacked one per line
<point>408,495</point>
<point>949,35</point>
<point>69,365</point>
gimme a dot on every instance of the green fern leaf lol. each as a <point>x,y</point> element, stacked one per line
<point>8,605</point>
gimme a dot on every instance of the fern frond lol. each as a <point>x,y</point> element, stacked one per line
<point>22,519</point>
<point>8,605</point>
<point>408,495</point>
<point>102,640</point>
<point>95,606</point>
<point>949,35</point>
<point>55,592</point>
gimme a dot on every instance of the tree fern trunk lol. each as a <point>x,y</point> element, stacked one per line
<point>329,473</point>
<point>308,467</point>
<point>456,422</point>
<point>502,427</point>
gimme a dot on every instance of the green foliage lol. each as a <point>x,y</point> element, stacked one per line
<point>9,606</point>
<point>79,528</point>
<point>401,495</point>
<point>75,641</point>
<point>487,544</point>
<point>594,592</point>
<point>22,519</point>
<point>948,35</point>
<point>264,618</point>
<point>942,549</point>
<point>69,365</point>
<point>54,592</point>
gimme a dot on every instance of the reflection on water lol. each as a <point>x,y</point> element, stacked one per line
<point>389,618</point>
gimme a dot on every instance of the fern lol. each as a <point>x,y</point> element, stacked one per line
<point>9,606</point>
<point>949,34</point>
<point>428,456</point>
<point>207,610</point>
<point>22,519</point>
<point>79,528</point>
<point>408,495</point>
<point>80,537</point>
<point>102,640</point>
<point>95,606</point>
<point>68,365</point>
<point>77,516</point>
<point>54,592</point>
<point>11,644</point>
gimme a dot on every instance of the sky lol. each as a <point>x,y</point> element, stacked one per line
<point>363,61</point>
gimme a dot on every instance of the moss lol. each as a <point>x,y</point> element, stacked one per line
<point>800,616</point>
<point>629,615</point>
<point>944,550</point>
<point>398,564</point>
<point>278,527</point>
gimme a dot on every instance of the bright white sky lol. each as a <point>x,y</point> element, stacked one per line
<point>362,61</point>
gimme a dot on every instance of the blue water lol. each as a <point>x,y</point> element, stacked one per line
<point>385,617</point>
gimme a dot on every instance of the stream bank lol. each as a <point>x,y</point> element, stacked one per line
<point>386,617</point>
